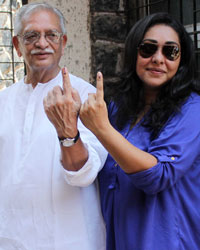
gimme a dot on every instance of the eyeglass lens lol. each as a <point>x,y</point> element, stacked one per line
<point>171,52</point>
<point>33,36</point>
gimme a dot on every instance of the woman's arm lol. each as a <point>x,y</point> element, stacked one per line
<point>94,116</point>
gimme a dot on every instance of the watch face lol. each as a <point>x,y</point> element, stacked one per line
<point>67,143</point>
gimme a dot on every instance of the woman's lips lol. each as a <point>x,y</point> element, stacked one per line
<point>156,70</point>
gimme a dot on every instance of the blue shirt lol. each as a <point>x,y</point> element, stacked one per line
<point>159,208</point>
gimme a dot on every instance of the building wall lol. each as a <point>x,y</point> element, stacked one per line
<point>109,27</point>
<point>77,56</point>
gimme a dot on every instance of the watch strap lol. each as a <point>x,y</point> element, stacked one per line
<point>74,140</point>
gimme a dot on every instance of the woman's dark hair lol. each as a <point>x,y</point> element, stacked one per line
<point>129,96</point>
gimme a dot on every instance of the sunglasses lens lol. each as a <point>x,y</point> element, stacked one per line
<point>147,49</point>
<point>171,52</point>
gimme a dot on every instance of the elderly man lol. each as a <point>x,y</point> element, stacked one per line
<point>48,159</point>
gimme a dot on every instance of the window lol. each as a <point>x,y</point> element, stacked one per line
<point>11,66</point>
<point>187,12</point>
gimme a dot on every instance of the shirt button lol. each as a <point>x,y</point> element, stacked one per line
<point>111,186</point>
<point>116,165</point>
<point>172,158</point>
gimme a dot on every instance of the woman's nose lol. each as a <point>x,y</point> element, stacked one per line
<point>158,57</point>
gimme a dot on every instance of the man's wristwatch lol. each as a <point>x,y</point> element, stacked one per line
<point>68,142</point>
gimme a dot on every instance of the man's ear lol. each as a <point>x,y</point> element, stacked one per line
<point>15,41</point>
<point>64,42</point>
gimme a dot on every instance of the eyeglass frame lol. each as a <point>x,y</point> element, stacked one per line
<point>174,58</point>
<point>60,34</point>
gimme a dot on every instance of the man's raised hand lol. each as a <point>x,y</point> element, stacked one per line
<point>62,107</point>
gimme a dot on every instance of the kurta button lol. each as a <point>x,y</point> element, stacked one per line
<point>173,158</point>
<point>116,164</point>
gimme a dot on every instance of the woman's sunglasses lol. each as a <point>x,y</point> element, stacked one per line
<point>170,51</point>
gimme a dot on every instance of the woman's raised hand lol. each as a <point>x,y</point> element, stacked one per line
<point>93,112</point>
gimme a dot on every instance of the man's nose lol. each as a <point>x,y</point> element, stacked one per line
<point>42,41</point>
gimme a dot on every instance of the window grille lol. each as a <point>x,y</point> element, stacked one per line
<point>11,66</point>
<point>186,11</point>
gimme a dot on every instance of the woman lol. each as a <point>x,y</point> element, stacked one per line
<point>149,186</point>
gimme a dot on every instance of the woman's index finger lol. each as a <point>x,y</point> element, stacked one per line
<point>99,87</point>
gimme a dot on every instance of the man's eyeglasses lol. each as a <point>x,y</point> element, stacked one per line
<point>52,36</point>
<point>170,51</point>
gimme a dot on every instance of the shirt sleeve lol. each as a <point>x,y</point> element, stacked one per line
<point>177,150</point>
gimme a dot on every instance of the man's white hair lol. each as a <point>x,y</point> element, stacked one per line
<point>26,10</point>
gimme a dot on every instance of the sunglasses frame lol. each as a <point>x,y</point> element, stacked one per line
<point>172,57</point>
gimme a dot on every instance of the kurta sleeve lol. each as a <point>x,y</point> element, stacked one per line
<point>96,152</point>
<point>97,157</point>
<point>177,149</point>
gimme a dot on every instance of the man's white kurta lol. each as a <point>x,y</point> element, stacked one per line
<point>42,206</point>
